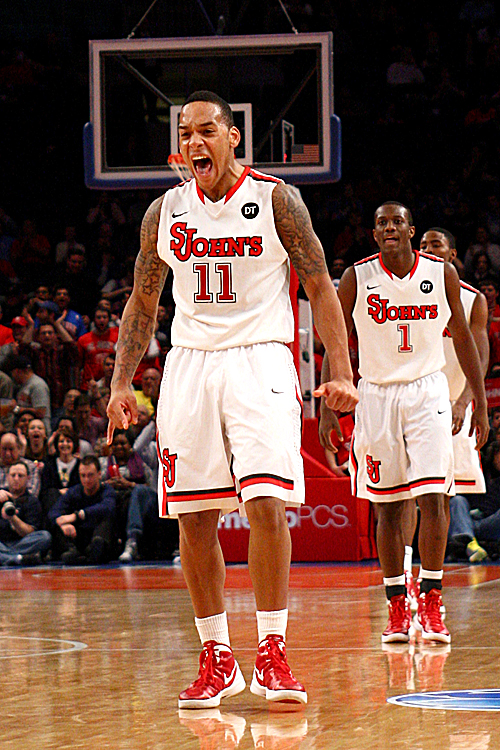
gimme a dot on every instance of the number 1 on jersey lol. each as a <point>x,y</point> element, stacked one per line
<point>225,293</point>
<point>405,346</point>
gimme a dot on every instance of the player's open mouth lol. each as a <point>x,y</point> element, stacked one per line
<point>202,165</point>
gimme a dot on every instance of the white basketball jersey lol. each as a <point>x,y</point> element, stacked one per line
<point>452,369</point>
<point>231,272</point>
<point>400,322</point>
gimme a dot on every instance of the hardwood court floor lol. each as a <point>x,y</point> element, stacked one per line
<point>94,658</point>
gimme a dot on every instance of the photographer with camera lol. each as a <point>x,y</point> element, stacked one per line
<point>21,540</point>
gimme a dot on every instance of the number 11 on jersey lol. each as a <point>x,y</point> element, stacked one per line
<point>225,293</point>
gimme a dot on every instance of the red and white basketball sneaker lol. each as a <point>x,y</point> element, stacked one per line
<point>272,677</point>
<point>219,677</point>
<point>399,624</point>
<point>429,619</point>
<point>411,590</point>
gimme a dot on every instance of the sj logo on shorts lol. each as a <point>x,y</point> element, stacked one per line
<point>373,469</point>
<point>168,462</point>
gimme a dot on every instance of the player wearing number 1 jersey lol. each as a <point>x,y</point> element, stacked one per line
<point>228,411</point>
<point>400,302</point>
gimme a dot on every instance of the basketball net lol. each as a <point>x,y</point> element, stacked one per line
<point>177,163</point>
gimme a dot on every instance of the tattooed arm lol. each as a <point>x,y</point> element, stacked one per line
<point>138,322</point>
<point>297,236</point>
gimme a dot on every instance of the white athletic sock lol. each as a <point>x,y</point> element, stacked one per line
<point>395,581</point>
<point>408,558</point>
<point>272,623</point>
<point>214,628</point>
<point>433,575</point>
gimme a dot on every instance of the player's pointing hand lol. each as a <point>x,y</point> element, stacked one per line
<point>121,411</point>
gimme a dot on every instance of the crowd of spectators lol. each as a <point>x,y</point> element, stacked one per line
<point>417,87</point>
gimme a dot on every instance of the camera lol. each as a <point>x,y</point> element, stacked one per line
<point>10,508</point>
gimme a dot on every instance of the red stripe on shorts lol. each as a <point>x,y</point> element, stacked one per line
<point>287,484</point>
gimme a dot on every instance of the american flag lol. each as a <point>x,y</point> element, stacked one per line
<point>305,153</point>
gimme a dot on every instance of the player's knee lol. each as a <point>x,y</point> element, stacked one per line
<point>198,528</point>
<point>268,513</point>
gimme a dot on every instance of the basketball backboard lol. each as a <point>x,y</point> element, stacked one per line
<point>280,88</point>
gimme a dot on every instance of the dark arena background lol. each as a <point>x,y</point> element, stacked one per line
<point>95,649</point>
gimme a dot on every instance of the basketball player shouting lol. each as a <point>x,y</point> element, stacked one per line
<point>400,302</point>
<point>228,411</point>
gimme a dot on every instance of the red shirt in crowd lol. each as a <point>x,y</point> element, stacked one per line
<point>93,348</point>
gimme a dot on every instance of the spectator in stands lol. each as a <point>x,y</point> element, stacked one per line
<point>69,243</point>
<point>61,470</point>
<point>82,518</point>
<point>21,540</point>
<point>7,351</point>
<point>81,286</point>
<point>7,402</point>
<point>123,469</point>
<point>30,252</point>
<point>54,357</point>
<point>88,427</point>
<point>475,519</point>
<point>482,244</point>
<point>337,268</point>
<point>148,395</point>
<point>94,346</point>
<point>82,447</point>
<point>21,423</point>
<point>36,442</point>
<point>71,320</point>
<point>33,392</point>
<point>68,407</point>
<point>481,269</point>
<point>108,367</point>
<point>10,453</point>
<point>144,433</point>
<point>489,287</point>
<point>6,336</point>
<point>106,211</point>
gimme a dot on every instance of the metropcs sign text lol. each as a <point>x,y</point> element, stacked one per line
<point>321,517</point>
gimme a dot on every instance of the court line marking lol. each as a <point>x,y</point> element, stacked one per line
<point>74,646</point>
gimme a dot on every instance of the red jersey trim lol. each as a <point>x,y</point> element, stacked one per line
<point>252,479</point>
<point>237,184</point>
<point>201,194</point>
<point>367,260</point>
<point>389,273</point>
<point>429,256</point>
<point>260,177</point>
<point>406,486</point>
<point>469,287</point>
<point>415,264</point>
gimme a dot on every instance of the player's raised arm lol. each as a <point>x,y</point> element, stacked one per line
<point>296,233</point>
<point>138,322</point>
<point>467,354</point>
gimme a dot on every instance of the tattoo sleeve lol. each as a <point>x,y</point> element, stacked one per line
<point>296,233</point>
<point>139,317</point>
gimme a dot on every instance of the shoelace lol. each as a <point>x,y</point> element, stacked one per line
<point>207,662</point>
<point>276,654</point>
<point>432,609</point>
<point>397,611</point>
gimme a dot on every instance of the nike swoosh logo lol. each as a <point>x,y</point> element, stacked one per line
<point>273,391</point>
<point>442,412</point>
<point>228,679</point>
<point>176,216</point>
<point>373,287</point>
<point>259,675</point>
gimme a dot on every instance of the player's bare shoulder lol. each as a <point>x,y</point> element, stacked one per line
<point>296,232</point>
<point>150,269</point>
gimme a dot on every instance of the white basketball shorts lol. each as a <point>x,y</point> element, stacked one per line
<point>402,445</point>
<point>229,429</point>
<point>469,476</point>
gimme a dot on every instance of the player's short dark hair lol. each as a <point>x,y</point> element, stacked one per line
<point>395,203</point>
<point>210,96</point>
<point>91,460</point>
<point>449,236</point>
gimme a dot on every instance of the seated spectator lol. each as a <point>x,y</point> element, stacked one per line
<point>33,392</point>
<point>10,453</point>
<point>36,446</point>
<point>22,422</point>
<point>480,269</point>
<point>144,444</point>
<point>94,346</point>
<point>82,518</point>
<point>7,402</point>
<point>82,447</point>
<point>21,540</point>
<point>108,368</point>
<point>475,519</point>
<point>70,319</point>
<point>123,469</point>
<point>88,427</point>
<point>61,470</point>
<point>68,406</point>
<point>148,395</point>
